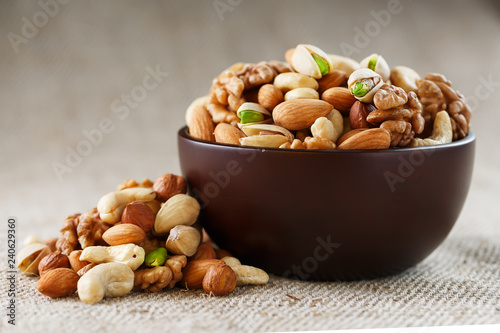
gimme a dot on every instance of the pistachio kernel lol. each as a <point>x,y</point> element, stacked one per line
<point>157,257</point>
<point>372,63</point>
<point>250,116</point>
<point>359,89</point>
<point>324,68</point>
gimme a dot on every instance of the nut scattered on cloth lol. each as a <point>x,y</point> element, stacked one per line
<point>457,285</point>
<point>152,279</point>
<point>90,228</point>
<point>68,238</point>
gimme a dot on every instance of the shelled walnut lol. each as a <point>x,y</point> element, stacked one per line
<point>436,94</point>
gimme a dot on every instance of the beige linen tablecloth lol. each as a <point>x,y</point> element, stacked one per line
<point>67,80</point>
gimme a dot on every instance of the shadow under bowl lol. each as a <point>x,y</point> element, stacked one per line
<point>328,215</point>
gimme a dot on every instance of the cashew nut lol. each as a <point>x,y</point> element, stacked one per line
<point>405,78</point>
<point>128,254</point>
<point>289,81</point>
<point>111,205</point>
<point>442,132</point>
<point>181,209</point>
<point>246,274</point>
<point>323,128</point>
<point>106,280</point>
<point>345,64</point>
<point>338,123</point>
<point>329,127</point>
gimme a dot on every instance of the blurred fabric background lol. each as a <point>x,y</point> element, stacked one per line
<point>66,71</point>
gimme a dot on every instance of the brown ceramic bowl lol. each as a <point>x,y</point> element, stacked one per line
<point>328,215</point>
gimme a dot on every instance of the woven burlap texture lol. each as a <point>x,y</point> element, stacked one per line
<point>457,284</point>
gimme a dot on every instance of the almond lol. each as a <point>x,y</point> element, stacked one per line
<point>225,133</point>
<point>201,125</point>
<point>359,112</point>
<point>300,113</point>
<point>58,282</point>
<point>219,280</point>
<point>85,269</point>
<point>270,96</point>
<point>139,214</point>
<point>333,79</point>
<point>375,138</point>
<point>124,234</point>
<point>52,261</point>
<point>350,133</point>
<point>341,99</point>
<point>195,271</point>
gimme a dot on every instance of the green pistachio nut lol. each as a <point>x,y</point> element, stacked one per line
<point>324,67</point>
<point>359,89</point>
<point>250,116</point>
<point>372,63</point>
<point>157,257</point>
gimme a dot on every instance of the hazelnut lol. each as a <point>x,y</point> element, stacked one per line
<point>269,96</point>
<point>139,214</point>
<point>358,114</point>
<point>219,280</point>
<point>221,253</point>
<point>75,262</point>
<point>194,272</point>
<point>169,185</point>
<point>204,251</point>
<point>52,261</point>
<point>183,240</point>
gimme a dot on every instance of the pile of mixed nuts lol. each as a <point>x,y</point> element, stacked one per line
<point>144,236</point>
<point>316,100</point>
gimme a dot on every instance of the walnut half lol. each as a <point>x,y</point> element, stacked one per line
<point>152,279</point>
<point>436,94</point>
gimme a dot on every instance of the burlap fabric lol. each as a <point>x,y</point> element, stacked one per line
<point>63,81</point>
<point>457,284</point>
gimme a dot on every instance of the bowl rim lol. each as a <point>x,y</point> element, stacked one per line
<point>471,137</point>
